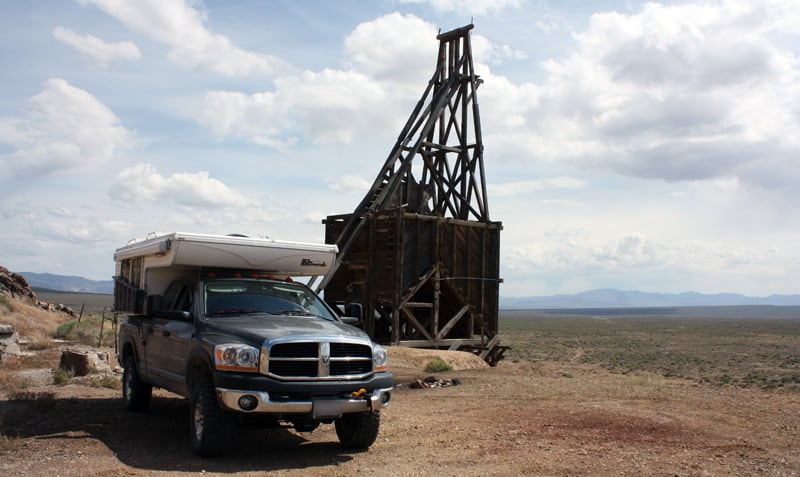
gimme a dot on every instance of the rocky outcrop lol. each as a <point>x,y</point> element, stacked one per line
<point>15,285</point>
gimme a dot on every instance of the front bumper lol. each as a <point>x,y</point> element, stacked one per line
<point>327,407</point>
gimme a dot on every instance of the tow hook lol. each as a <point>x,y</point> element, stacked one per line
<point>362,394</point>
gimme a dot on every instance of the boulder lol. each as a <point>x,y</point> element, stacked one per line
<point>84,362</point>
<point>9,340</point>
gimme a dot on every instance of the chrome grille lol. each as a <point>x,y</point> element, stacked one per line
<point>322,360</point>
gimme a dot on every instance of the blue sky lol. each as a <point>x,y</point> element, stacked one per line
<point>630,145</point>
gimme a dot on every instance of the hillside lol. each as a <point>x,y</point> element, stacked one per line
<point>35,320</point>
<point>610,298</point>
<point>68,283</point>
<point>600,298</point>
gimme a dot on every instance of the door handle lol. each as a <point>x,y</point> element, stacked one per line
<point>165,333</point>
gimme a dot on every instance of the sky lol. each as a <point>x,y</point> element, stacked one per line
<point>628,145</point>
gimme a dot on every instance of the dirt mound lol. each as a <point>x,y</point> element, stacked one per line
<point>402,358</point>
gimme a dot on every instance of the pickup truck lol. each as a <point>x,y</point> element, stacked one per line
<point>247,348</point>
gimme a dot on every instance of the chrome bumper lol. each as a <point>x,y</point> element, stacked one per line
<point>325,408</point>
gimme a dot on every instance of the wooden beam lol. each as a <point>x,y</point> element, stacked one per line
<point>439,343</point>
<point>489,346</point>
<point>453,321</point>
<point>413,319</point>
<point>412,291</point>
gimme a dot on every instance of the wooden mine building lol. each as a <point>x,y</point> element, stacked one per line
<point>420,253</point>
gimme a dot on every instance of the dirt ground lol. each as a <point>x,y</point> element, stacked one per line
<point>515,419</point>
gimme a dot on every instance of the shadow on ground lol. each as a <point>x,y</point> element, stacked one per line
<point>158,439</point>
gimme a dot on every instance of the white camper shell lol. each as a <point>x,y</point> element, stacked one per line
<point>149,266</point>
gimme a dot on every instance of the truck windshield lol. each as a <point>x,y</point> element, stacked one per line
<point>236,297</point>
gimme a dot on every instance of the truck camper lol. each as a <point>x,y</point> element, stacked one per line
<point>227,322</point>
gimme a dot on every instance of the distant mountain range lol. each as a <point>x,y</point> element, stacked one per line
<point>610,298</point>
<point>601,298</point>
<point>68,283</point>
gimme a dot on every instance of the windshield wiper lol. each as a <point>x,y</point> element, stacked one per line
<point>234,311</point>
<point>297,313</point>
<point>289,312</point>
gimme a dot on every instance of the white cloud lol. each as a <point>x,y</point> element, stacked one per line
<point>683,92</point>
<point>100,51</point>
<point>176,24</point>
<point>386,72</point>
<point>570,260</point>
<point>470,7</point>
<point>350,184</point>
<point>65,128</point>
<point>78,230</point>
<point>484,51</point>
<point>315,217</point>
<point>521,187</point>
<point>323,108</point>
<point>144,184</point>
<point>375,49</point>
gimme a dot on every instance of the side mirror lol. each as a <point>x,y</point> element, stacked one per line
<point>152,304</point>
<point>352,321</point>
<point>353,314</point>
<point>174,314</point>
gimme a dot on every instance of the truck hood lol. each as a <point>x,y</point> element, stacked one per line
<point>259,327</point>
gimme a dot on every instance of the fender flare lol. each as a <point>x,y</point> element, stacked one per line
<point>199,361</point>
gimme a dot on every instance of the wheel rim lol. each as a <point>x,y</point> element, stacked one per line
<point>126,386</point>
<point>198,420</point>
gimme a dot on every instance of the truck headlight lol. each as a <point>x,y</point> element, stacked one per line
<point>236,357</point>
<point>380,358</point>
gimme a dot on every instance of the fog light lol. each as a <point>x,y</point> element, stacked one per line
<point>248,402</point>
<point>385,398</point>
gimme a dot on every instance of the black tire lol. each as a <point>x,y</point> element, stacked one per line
<point>358,431</point>
<point>209,424</point>
<point>136,393</point>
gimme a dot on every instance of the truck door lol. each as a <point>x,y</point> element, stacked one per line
<point>167,335</point>
<point>177,336</point>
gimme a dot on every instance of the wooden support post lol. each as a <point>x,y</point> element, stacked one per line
<point>453,321</point>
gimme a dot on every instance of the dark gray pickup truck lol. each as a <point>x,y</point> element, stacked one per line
<point>247,350</point>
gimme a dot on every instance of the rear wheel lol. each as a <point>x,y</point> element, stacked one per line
<point>210,425</point>
<point>136,393</point>
<point>358,431</point>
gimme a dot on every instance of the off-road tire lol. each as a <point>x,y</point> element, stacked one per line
<point>358,431</point>
<point>209,424</point>
<point>136,393</point>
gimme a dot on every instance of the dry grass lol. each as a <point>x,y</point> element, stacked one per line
<point>108,381</point>
<point>63,376</point>
<point>6,306</point>
<point>11,378</point>
<point>9,444</point>
<point>36,328</point>
<point>33,324</point>
<point>87,331</point>
<point>709,346</point>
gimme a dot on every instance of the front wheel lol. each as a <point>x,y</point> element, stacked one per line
<point>136,393</point>
<point>209,423</point>
<point>358,431</point>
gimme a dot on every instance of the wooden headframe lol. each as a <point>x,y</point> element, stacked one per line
<point>431,188</point>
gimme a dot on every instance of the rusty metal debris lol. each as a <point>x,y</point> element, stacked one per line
<point>433,382</point>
